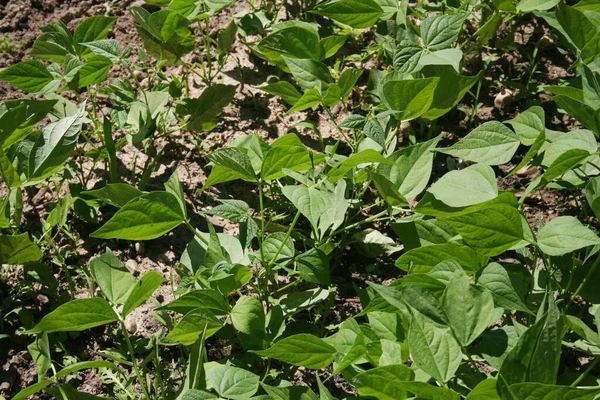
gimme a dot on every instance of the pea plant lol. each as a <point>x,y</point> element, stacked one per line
<point>411,207</point>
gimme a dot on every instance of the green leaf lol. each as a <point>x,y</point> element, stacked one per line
<point>347,81</point>
<point>31,76</point>
<point>292,157</point>
<point>491,144</point>
<point>412,168</point>
<point>310,98</point>
<point>111,275</point>
<point>449,91</point>
<point>109,48</point>
<point>53,46</point>
<point>384,383</point>
<point>497,280</point>
<point>538,391</point>
<point>525,6</point>
<point>31,390</point>
<point>433,349</point>
<point>330,45</point>
<point>311,202</point>
<point>94,71</point>
<point>76,315</point>
<point>39,158</point>
<point>203,110</point>
<point>142,291</point>
<point>18,249</point>
<point>355,13</point>
<point>423,259</point>
<point>193,325</point>
<point>406,57</point>
<point>468,308</point>
<point>116,194</point>
<point>367,156</point>
<point>472,185</point>
<point>313,266</point>
<point>529,124</point>
<point>173,186</point>
<point>302,350</point>
<point>441,31</point>
<point>289,392</point>
<point>86,365</point>
<point>19,117</point>
<point>235,160</point>
<point>40,353</point>
<point>285,90</point>
<point>490,228</point>
<point>232,210</point>
<point>146,217</point>
<point>452,57</point>
<point>232,382</point>
<point>485,390</point>
<point>495,345</point>
<point>271,246</point>
<point>412,97</point>
<point>309,73</point>
<point>565,162</point>
<point>387,190</point>
<point>248,318</point>
<point>565,234</point>
<point>295,42</point>
<point>92,29</point>
<point>206,299</point>
<point>425,390</point>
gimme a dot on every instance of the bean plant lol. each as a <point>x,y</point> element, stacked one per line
<point>484,300</point>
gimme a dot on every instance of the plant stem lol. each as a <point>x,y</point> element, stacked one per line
<point>140,376</point>
<point>582,284</point>
<point>586,372</point>
<point>287,236</point>
<point>195,232</point>
<point>338,127</point>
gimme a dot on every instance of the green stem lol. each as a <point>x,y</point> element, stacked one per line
<point>586,372</point>
<point>195,232</point>
<point>140,376</point>
<point>582,284</point>
<point>287,236</point>
<point>328,111</point>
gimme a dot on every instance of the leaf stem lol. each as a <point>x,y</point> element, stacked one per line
<point>138,373</point>
<point>582,284</point>
<point>195,232</point>
<point>586,372</point>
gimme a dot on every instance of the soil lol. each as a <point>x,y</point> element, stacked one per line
<point>251,111</point>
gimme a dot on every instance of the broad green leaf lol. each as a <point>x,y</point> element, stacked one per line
<point>295,41</point>
<point>560,142</point>
<point>490,228</point>
<point>39,158</point>
<point>491,144</point>
<point>441,31</point>
<point>374,131</point>
<point>116,194</point>
<point>18,249</point>
<point>387,190</point>
<point>40,353</point>
<point>497,280</point>
<point>207,299</point>
<point>248,318</point>
<point>407,56</point>
<point>452,57</point>
<point>472,185</point>
<point>468,308</point>
<point>531,153</point>
<point>111,275</point>
<point>495,344</point>
<point>412,97</point>
<point>309,99</point>
<point>146,217</point>
<point>302,350</point>
<point>355,355</point>
<point>193,325</point>
<point>355,13</point>
<point>232,382</point>
<point>331,44</point>
<point>311,202</point>
<point>285,90</point>
<point>313,266</point>
<point>426,390</point>
<point>31,76</point>
<point>412,168</point>
<point>235,160</point>
<point>582,30</point>
<point>449,91</point>
<point>173,186</point>
<point>415,233</point>
<point>91,29</point>
<point>203,110</point>
<point>538,391</point>
<point>529,124</point>
<point>309,73</point>
<point>384,383</point>
<point>347,81</point>
<point>565,162</point>
<point>142,291</point>
<point>288,392</point>
<point>423,259</point>
<point>565,234</point>
<point>367,156</point>
<point>53,46</point>
<point>94,71</point>
<point>76,315</point>
<point>386,325</point>
<point>19,117</point>
<point>231,209</point>
<point>592,195</point>
<point>295,302</point>
<point>294,158</point>
<point>109,48</point>
<point>276,251</point>
<point>433,349</point>
<point>485,390</point>
<point>416,297</point>
<point>525,6</point>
